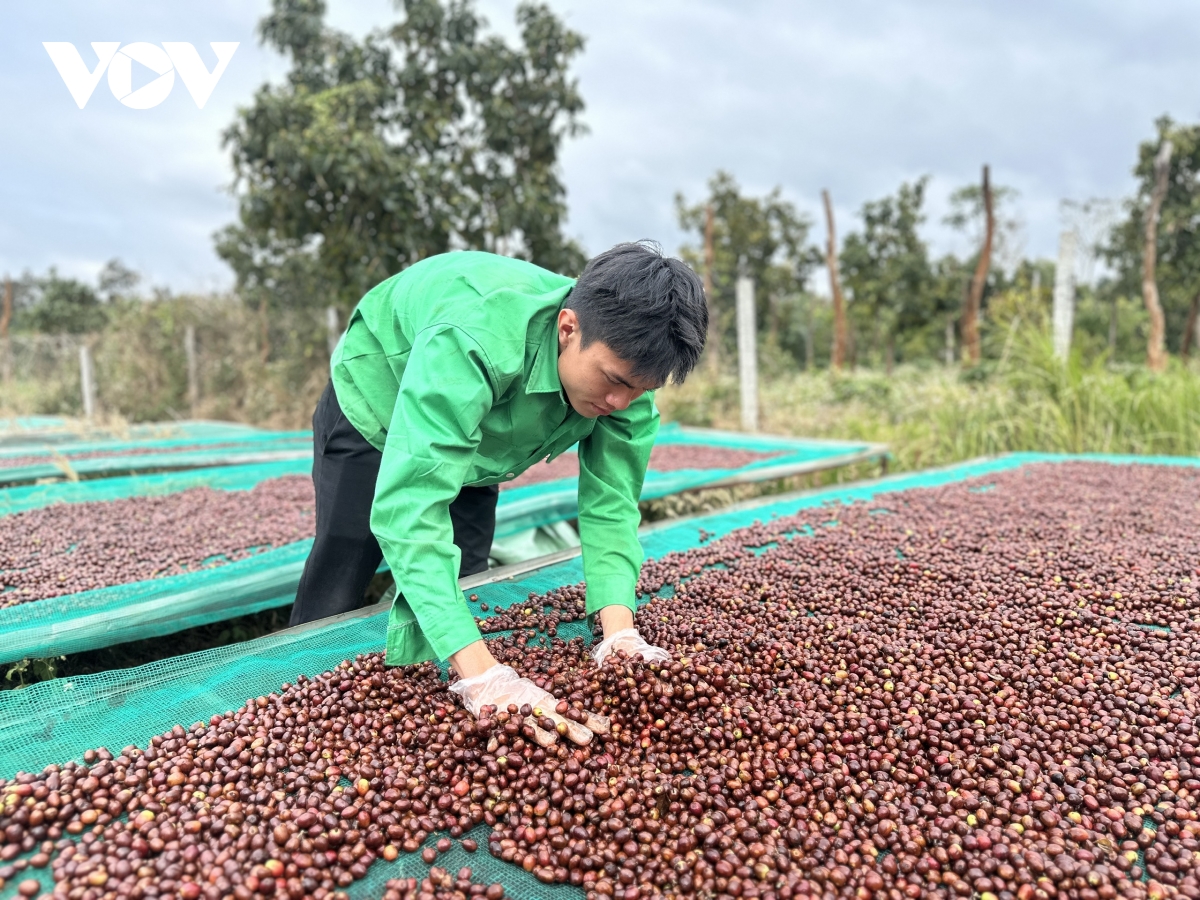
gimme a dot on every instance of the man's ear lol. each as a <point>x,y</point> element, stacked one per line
<point>568,324</point>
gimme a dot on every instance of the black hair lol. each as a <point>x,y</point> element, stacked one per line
<point>649,309</point>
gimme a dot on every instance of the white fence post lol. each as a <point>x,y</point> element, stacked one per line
<point>747,343</point>
<point>193,368</point>
<point>333,328</point>
<point>1064,295</point>
<point>87,381</point>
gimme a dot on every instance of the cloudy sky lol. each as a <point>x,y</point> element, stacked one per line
<point>851,96</point>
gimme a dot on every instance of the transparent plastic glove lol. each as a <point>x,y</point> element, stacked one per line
<point>501,686</point>
<point>632,643</point>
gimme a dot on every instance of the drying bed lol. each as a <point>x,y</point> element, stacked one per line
<point>976,682</point>
<point>73,456</point>
<point>69,548</point>
<point>93,459</point>
<point>40,432</point>
<point>223,579</point>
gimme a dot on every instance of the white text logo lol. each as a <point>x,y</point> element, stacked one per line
<point>118,60</point>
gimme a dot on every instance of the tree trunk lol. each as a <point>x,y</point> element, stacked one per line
<point>970,316</point>
<point>713,341</point>
<point>949,341</point>
<point>840,336</point>
<point>889,351</point>
<point>1191,331</point>
<point>1156,350</point>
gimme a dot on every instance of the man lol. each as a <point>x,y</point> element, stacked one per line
<point>458,374</point>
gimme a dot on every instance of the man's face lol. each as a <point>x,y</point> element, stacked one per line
<point>597,381</point>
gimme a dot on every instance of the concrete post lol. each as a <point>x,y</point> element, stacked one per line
<point>1063,315</point>
<point>87,381</point>
<point>333,328</point>
<point>747,343</point>
<point>193,367</point>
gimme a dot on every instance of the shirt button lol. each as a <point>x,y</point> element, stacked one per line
<point>510,475</point>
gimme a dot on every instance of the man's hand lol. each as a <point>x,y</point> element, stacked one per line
<point>500,686</point>
<point>632,643</point>
<point>620,634</point>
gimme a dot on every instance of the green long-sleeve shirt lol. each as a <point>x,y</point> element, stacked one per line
<point>450,368</point>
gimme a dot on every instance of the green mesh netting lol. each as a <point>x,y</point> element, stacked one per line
<point>164,442</point>
<point>152,608</point>
<point>14,425</point>
<point>54,430</point>
<point>58,720</point>
<point>72,460</point>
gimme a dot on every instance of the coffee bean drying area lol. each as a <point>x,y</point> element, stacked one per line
<point>106,458</point>
<point>95,563</point>
<point>980,682</point>
<point>40,432</point>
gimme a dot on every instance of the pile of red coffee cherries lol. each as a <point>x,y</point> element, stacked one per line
<point>71,547</point>
<point>984,690</point>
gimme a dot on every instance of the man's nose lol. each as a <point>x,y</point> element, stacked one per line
<point>622,399</point>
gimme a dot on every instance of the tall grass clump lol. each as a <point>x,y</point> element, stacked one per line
<point>933,415</point>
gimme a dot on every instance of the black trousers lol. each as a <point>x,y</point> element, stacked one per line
<point>345,554</point>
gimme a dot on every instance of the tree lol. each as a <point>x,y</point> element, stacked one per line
<point>424,137</point>
<point>970,317</point>
<point>1156,348</point>
<point>886,267</point>
<point>1176,241</point>
<point>765,238</point>
<point>116,281</point>
<point>975,210</point>
<point>51,304</point>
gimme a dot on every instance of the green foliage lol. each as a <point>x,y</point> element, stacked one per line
<point>887,273</point>
<point>31,671</point>
<point>141,365</point>
<point>424,137</point>
<point>765,238</point>
<point>1094,327</point>
<point>51,304</point>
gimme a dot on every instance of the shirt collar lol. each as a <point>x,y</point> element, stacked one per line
<point>543,375</point>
